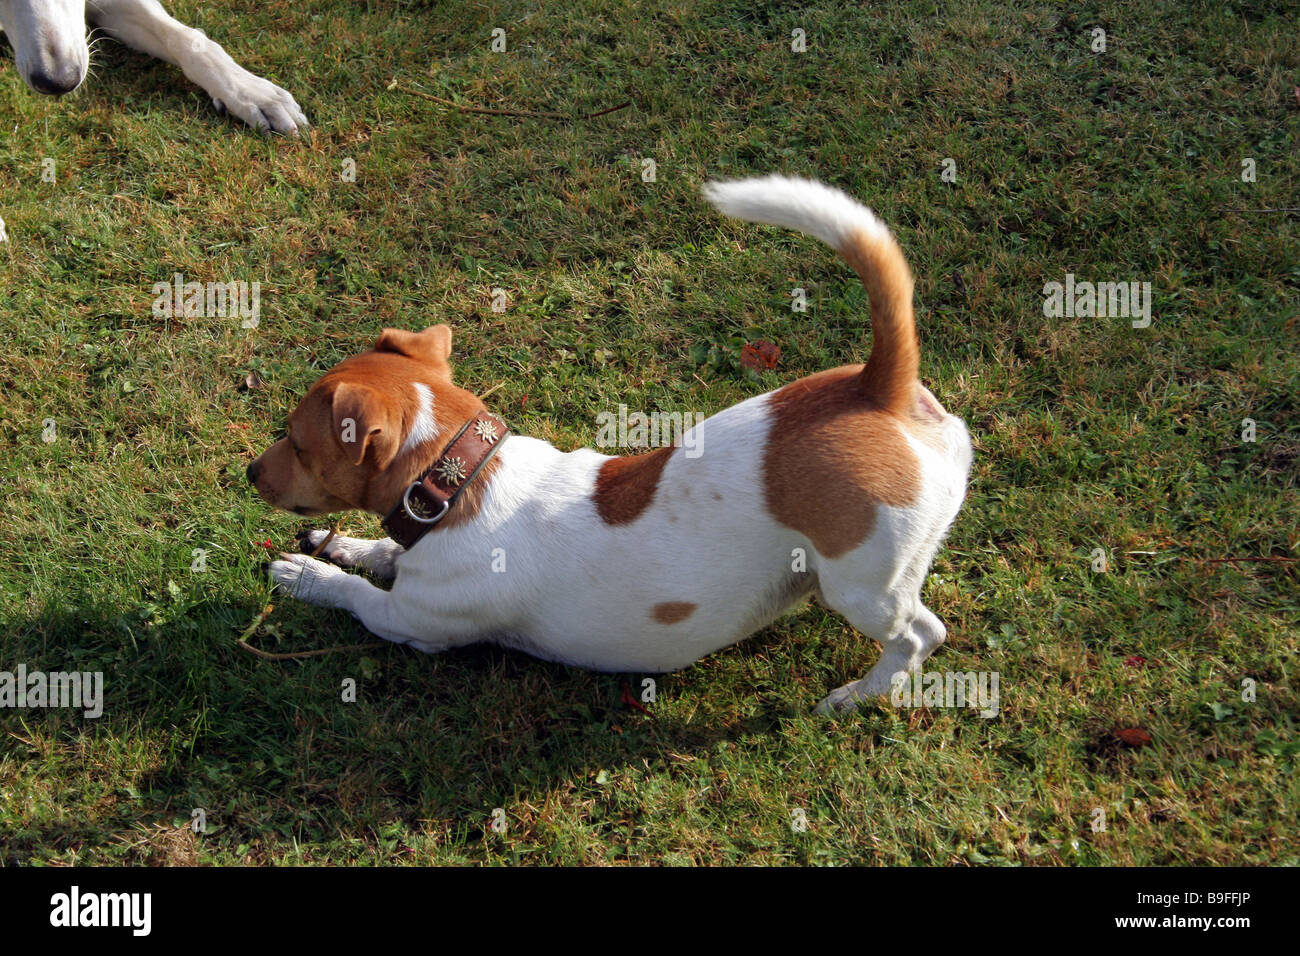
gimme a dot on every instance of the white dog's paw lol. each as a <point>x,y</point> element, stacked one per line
<point>259,103</point>
<point>850,697</point>
<point>309,541</point>
<point>876,685</point>
<point>306,578</point>
<point>839,700</point>
<point>377,557</point>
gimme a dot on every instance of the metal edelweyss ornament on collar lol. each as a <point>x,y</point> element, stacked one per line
<point>428,499</point>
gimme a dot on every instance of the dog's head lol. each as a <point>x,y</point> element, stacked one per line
<point>362,432</point>
<point>49,41</point>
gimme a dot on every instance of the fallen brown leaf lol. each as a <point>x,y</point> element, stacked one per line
<point>1133,736</point>
<point>760,355</point>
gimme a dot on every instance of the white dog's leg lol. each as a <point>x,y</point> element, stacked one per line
<point>377,557</point>
<point>883,601</point>
<point>904,652</point>
<point>324,585</point>
<point>145,25</point>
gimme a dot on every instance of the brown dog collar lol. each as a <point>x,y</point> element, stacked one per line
<point>428,499</point>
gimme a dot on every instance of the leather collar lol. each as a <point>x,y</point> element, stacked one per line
<point>431,496</point>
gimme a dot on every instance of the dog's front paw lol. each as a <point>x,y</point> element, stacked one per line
<point>309,541</point>
<point>260,103</point>
<point>377,557</point>
<point>306,578</point>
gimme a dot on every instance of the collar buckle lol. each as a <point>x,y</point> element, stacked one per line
<point>428,499</point>
<point>414,515</point>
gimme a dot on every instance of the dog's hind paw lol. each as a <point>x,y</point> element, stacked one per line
<point>842,700</point>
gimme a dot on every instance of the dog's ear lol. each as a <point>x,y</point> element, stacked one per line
<point>433,345</point>
<point>364,422</point>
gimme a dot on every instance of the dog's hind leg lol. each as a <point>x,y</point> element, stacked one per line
<point>144,25</point>
<point>903,653</point>
<point>890,613</point>
<point>377,557</point>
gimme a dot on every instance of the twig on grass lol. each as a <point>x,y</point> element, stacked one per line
<point>246,636</point>
<point>1227,560</point>
<point>530,114</point>
<point>1269,209</point>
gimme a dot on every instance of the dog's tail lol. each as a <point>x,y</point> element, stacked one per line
<point>853,230</point>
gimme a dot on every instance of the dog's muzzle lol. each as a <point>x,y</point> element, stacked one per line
<point>56,81</point>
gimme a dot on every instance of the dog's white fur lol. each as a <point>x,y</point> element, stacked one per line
<point>539,570</point>
<point>52,55</point>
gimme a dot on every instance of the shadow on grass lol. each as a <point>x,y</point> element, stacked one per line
<point>272,748</point>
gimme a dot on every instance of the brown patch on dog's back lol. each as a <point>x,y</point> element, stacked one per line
<point>670,612</point>
<point>625,486</point>
<point>832,457</point>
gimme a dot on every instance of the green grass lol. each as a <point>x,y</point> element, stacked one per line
<point>1090,433</point>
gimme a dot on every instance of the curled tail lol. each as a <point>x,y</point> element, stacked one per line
<point>853,230</point>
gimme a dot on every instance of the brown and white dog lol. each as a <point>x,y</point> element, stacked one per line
<point>841,484</point>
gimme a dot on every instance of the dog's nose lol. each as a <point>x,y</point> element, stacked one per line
<point>253,469</point>
<point>62,79</point>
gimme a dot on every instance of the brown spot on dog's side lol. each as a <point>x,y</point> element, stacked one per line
<point>625,486</point>
<point>670,612</point>
<point>832,457</point>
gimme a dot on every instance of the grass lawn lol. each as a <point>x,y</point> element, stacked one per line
<point>1122,165</point>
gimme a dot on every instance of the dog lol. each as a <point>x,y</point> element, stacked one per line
<point>49,41</point>
<point>841,484</point>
